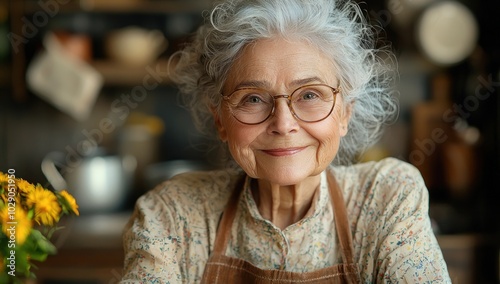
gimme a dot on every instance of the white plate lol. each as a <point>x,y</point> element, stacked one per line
<point>447,32</point>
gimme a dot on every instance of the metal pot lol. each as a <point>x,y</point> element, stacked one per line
<point>100,183</point>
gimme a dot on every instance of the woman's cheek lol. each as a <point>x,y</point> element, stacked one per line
<point>328,149</point>
<point>245,157</point>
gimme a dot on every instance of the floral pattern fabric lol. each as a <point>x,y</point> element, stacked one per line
<point>172,231</point>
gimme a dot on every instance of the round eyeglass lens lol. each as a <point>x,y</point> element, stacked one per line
<point>313,103</point>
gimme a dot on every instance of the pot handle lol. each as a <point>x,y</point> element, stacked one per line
<point>50,171</point>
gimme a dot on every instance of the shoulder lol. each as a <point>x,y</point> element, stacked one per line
<point>388,167</point>
<point>186,203</point>
<point>173,225</point>
<point>384,186</point>
<point>387,203</point>
<point>388,174</point>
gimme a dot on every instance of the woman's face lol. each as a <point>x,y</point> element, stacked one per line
<point>282,149</point>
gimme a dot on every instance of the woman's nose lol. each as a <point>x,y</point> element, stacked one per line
<point>283,121</point>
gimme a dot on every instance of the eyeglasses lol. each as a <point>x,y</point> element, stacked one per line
<point>309,103</point>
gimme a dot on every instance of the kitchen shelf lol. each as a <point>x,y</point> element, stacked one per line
<point>139,6</point>
<point>119,74</point>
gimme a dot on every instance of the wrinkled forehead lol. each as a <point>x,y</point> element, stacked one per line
<point>280,64</point>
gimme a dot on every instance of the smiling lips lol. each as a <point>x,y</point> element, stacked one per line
<point>280,152</point>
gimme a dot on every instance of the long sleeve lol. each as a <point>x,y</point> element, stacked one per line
<point>171,232</point>
<point>389,211</point>
<point>409,251</point>
<point>153,251</point>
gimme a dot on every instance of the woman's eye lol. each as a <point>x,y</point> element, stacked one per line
<point>253,99</point>
<point>309,96</point>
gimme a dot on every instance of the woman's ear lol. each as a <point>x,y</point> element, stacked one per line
<point>220,127</point>
<point>345,117</point>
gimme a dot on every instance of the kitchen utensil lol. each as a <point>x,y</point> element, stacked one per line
<point>100,183</point>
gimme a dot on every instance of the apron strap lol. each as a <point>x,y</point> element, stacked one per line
<point>224,229</point>
<point>341,220</point>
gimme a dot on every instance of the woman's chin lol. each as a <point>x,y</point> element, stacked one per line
<point>287,176</point>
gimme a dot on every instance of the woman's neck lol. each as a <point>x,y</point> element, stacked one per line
<point>285,205</point>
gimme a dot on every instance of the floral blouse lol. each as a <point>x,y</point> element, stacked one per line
<point>172,231</point>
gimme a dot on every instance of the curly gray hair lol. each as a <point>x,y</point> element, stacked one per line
<point>338,28</point>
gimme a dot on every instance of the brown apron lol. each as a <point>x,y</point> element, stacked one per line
<point>228,270</point>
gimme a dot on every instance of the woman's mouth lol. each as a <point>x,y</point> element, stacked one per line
<point>280,152</point>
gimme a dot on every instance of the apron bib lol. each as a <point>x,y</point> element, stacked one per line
<point>227,270</point>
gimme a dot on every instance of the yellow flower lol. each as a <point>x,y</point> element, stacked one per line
<point>17,224</point>
<point>70,201</point>
<point>3,185</point>
<point>24,187</point>
<point>3,178</point>
<point>4,216</point>
<point>47,209</point>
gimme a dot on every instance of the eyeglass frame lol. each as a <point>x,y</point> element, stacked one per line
<point>335,91</point>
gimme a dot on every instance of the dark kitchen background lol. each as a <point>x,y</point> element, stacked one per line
<point>84,92</point>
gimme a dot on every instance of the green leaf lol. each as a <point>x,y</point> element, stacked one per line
<point>38,256</point>
<point>4,277</point>
<point>31,212</point>
<point>48,247</point>
<point>22,265</point>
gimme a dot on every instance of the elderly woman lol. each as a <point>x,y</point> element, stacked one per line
<point>295,89</point>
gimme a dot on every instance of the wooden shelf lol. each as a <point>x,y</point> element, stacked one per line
<point>127,6</point>
<point>119,74</point>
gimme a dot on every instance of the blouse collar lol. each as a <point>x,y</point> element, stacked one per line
<point>319,204</point>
